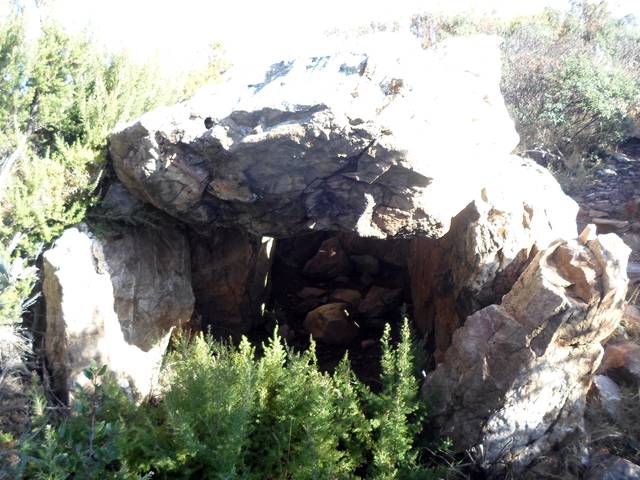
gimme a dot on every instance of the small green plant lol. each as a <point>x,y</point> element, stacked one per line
<point>16,283</point>
<point>83,444</point>
<point>397,410</point>
<point>227,414</point>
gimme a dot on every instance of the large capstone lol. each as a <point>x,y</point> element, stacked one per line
<point>381,139</point>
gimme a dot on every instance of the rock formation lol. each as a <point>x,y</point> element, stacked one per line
<point>368,276</point>
<point>515,378</point>
<point>610,467</point>
<point>230,270</point>
<point>607,394</point>
<point>381,177</point>
<point>489,244</point>
<point>622,361</point>
<point>113,300</point>
<point>330,323</point>
<point>371,141</point>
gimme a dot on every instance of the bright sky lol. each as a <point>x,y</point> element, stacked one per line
<point>181,32</point>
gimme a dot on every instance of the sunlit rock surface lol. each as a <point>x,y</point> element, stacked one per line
<point>114,300</point>
<point>606,393</point>
<point>490,242</point>
<point>605,466</point>
<point>515,378</point>
<point>383,139</point>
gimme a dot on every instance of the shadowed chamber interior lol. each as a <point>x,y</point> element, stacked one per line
<point>340,288</point>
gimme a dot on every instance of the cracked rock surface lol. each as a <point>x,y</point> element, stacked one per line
<point>383,139</point>
<point>114,300</point>
<point>487,247</point>
<point>515,378</point>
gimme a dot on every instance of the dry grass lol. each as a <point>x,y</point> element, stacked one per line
<point>619,435</point>
<point>602,433</point>
<point>14,380</point>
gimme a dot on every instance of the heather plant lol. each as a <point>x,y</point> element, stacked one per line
<point>228,413</point>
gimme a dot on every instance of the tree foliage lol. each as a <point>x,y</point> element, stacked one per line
<point>570,79</point>
<point>60,97</point>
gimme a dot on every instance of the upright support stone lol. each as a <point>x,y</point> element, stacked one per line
<point>515,378</point>
<point>113,300</point>
<point>489,244</point>
<point>230,270</point>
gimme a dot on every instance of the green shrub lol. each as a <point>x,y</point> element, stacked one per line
<point>571,80</point>
<point>60,97</point>
<point>397,410</point>
<point>16,283</point>
<point>293,433</point>
<point>86,443</point>
<point>209,407</point>
<point>569,88</point>
<point>226,414</point>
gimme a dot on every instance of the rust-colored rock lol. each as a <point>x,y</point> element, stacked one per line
<point>632,208</point>
<point>378,301</point>
<point>331,324</point>
<point>229,271</point>
<point>310,298</point>
<point>622,360</point>
<point>311,292</point>
<point>329,262</point>
<point>347,295</point>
